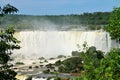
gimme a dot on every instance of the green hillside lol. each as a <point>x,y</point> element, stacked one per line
<point>91,20</point>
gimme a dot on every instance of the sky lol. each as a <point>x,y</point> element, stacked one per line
<point>61,7</point>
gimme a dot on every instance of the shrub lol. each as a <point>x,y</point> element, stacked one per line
<point>19,63</point>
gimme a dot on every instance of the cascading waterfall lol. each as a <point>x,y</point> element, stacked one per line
<point>53,43</point>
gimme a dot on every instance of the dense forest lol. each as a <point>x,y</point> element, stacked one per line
<point>65,22</point>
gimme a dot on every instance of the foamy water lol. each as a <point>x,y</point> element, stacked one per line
<point>53,43</point>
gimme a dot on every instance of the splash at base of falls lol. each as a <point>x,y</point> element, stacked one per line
<point>36,44</point>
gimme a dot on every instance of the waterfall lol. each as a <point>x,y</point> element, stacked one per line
<point>54,43</point>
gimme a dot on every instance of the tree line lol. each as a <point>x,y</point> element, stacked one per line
<point>92,20</point>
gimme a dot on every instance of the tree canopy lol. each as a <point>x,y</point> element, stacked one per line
<point>7,43</point>
<point>114,24</point>
<point>65,22</point>
<point>7,9</point>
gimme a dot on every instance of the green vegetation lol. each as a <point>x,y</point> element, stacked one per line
<point>7,9</point>
<point>46,71</point>
<point>58,63</point>
<point>75,53</point>
<point>94,21</point>
<point>108,68</point>
<point>7,44</point>
<point>49,78</point>
<point>45,61</point>
<point>19,63</point>
<point>55,78</point>
<point>41,58</point>
<point>61,56</point>
<point>114,24</point>
<point>70,64</point>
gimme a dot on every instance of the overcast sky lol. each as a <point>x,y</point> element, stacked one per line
<point>60,7</point>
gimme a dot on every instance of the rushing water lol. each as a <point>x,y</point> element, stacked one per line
<point>53,43</point>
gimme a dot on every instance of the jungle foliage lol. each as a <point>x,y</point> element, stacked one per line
<point>70,65</point>
<point>108,68</point>
<point>94,21</point>
<point>7,44</point>
<point>114,24</point>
